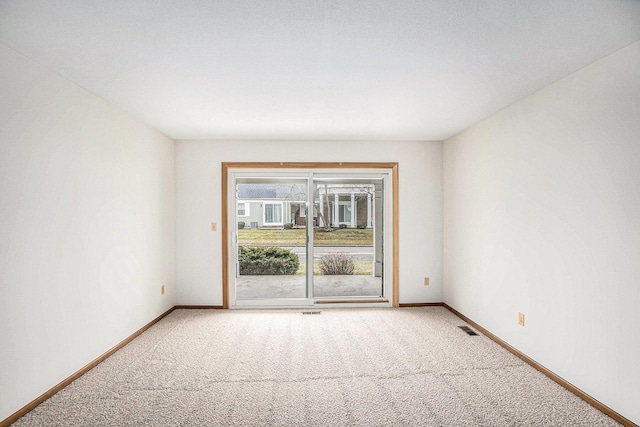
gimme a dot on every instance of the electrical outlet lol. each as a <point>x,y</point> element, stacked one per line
<point>426,281</point>
<point>162,290</point>
<point>521,319</point>
<point>214,226</point>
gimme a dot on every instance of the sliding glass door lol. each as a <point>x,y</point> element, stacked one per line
<point>270,250</point>
<point>300,238</point>
<point>348,241</point>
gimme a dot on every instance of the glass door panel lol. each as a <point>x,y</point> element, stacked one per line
<point>305,237</point>
<point>271,238</point>
<point>348,242</point>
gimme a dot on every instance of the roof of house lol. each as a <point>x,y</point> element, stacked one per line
<point>272,191</point>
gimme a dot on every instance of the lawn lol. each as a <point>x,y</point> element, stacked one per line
<point>339,237</point>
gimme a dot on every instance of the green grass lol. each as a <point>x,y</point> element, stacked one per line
<point>363,268</point>
<point>340,237</point>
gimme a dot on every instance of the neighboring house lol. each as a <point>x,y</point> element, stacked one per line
<point>273,205</point>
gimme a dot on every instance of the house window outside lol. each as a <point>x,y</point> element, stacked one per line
<point>273,213</point>
<point>243,209</point>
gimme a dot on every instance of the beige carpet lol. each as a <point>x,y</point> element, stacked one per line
<point>360,367</point>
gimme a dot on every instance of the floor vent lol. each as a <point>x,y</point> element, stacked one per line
<point>311,312</point>
<point>468,330</point>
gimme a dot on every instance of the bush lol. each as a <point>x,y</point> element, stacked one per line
<point>337,264</point>
<point>343,225</point>
<point>267,260</point>
<point>288,226</point>
<point>240,224</point>
<point>362,227</point>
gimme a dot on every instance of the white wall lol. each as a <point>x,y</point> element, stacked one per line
<point>198,204</point>
<point>542,216</point>
<point>87,226</point>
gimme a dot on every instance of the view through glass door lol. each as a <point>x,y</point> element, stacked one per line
<point>348,237</point>
<point>307,238</point>
<point>271,250</point>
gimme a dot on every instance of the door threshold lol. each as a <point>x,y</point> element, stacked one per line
<point>327,303</point>
<point>351,301</point>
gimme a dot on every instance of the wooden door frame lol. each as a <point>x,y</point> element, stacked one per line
<point>226,166</point>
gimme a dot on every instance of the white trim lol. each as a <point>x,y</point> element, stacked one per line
<point>369,209</point>
<point>354,211</point>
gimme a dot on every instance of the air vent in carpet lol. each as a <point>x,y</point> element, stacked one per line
<point>468,330</point>
<point>310,312</point>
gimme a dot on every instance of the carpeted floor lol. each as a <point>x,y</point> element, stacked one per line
<point>365,367</point>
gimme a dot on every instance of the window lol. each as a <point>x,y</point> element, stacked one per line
<point>344,212</point>
<point>243,209</point>
<point>273,213</point>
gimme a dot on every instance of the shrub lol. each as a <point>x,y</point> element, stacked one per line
<point>337,264</point>
<point>343,225</point>
<point>288,226</point>
<point>240,224</point>
<point>362,227</point>
<point>267,260</point>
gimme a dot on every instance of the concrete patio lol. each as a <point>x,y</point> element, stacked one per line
<point>264,287</point>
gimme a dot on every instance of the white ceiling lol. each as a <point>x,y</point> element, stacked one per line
<point>316,69</point>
